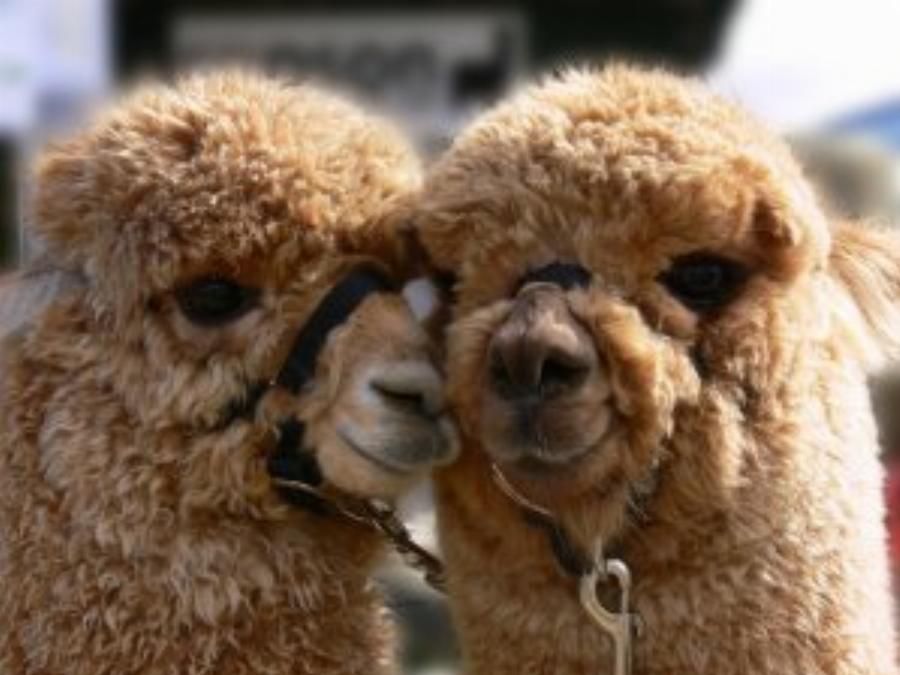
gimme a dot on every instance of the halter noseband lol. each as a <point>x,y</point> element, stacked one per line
<point>290,462</point>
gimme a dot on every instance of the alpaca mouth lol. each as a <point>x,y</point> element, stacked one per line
<point>381,460</point>
<point>538,440</point>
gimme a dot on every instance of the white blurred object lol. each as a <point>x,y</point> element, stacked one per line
<point>802,63</point>
<point>75,47</point>
<point>54,56</point>
<point>18,65</point>
<point>416,509</point>
<point>421,296</point>
<point>68,72</point>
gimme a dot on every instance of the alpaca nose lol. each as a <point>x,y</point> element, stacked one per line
<point>540,350</point>
<point>412,387</point>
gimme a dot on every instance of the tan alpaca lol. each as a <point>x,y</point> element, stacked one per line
<point>687,386</point>
<point>194,230</point>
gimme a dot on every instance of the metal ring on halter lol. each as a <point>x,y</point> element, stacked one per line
<point>621,625</point>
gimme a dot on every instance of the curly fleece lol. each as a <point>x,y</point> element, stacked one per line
<point>136,535</point>
<point>744,494</point>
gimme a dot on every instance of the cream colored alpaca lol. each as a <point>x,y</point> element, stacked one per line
<point>190,235</point>
<point>658,336</point>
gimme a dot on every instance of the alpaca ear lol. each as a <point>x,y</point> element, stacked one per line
<point>64,202</point>
<point>866,262</point>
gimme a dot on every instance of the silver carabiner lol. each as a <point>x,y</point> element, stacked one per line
<point>620,625</point>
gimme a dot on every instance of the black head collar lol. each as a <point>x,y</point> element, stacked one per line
<point>292,467</point>
<point>290,461</point>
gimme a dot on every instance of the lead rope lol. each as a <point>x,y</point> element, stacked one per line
<point>620,624</point>
<point>382,518</point>
<point>388,523</point>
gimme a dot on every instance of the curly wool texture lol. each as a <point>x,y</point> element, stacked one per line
<point>741,483</point>
<point>136,535</point>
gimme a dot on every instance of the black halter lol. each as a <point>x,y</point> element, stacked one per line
<point>289,461</point>
<point>335,308</point>
<point>293,469</point>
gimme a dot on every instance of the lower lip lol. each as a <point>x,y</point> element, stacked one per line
<point>345,436</point>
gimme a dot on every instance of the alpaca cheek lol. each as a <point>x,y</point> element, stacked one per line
<point>466,365</point>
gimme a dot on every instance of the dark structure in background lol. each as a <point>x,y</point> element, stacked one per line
<point>684,34</point>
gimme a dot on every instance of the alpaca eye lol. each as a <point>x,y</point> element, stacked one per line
<point>704,282</point>
<point>215,301</point>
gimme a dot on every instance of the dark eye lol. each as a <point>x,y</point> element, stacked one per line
<point>444,281</point>
<point>215,301</point>
<point>704,282</point>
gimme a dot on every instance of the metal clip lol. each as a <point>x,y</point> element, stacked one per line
<point>620,625</point>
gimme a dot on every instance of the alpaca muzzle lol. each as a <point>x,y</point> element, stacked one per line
<point>294,469</point>
<point>538,354</point>
<point>544,373</point>
<point>540,351</point>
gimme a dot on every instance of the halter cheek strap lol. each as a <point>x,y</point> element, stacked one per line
<point>290,461</point>
<point>334,309</point>
<point>294,469</point>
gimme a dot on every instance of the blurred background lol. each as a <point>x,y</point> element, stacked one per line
<point>819,71</point>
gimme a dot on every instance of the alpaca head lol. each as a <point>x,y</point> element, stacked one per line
<point>645,291</point>
<point>208,221</point>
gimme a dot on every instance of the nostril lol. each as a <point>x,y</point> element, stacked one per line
<point>557,375</point>
<point>538,362</point>
<point>412,401</point>
<point>410,387</point>
<point>551,375</point>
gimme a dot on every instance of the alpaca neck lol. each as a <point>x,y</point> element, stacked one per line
<point>787,582</point>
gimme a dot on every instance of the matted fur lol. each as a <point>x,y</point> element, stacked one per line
<point>739,478</point>
<point>137,533</point>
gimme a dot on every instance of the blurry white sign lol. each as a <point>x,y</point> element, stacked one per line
<point>75,46</point>
<point>18,64</point>
<point>53,53</point>
<point>803,63</point>
<point>429,68</point>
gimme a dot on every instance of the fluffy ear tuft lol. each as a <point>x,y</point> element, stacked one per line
<point>866,262</point>
<point>64,201</point>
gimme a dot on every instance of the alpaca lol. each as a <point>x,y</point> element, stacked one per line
<point>192,234</point>
<point>657,352</point>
